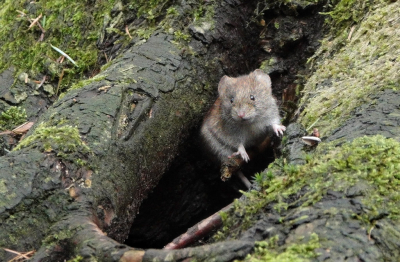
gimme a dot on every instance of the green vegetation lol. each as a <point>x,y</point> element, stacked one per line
<point>269,251</point>
<point>347,12</point>
<point>12,117</point>
<point>73,27</point>
<point>154,9</point>
<point>365,60</point>
<point>205,14</point>
<point>76,259</point>
<point>371,159</point>
<point>86,82</point>
<point>149,9</point>
<point>66,234</point>
<point>62,139</point>
<point>181,36</point>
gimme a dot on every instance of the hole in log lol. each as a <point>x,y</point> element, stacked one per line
<point>189,191</point>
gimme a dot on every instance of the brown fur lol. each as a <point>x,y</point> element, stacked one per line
<point>241,116</point>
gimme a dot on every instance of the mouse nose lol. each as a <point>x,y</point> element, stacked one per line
<point>241,114</point>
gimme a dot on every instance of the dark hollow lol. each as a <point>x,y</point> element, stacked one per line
<point>191,189</point>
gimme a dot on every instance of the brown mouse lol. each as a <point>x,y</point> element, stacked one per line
<point>241,116</point>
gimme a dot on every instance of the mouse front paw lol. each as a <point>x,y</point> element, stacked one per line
<point>242,152</point>
<point>278,129</point>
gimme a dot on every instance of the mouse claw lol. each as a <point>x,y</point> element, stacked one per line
<point>242,152</point>
<point>278,129</point>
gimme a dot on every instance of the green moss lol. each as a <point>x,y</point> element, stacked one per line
<point>12,117</point>
<point>70,26</point>
<point>172,11</point>
<point>86,82</point>
<point>76,259</point>
<point>346,76</point>
<point>3,187</point>
<point>62,139</point>
<point>181,36</point>
<point>201,17</point>
<point>149,9</point>
<point>145,32</point>
<point>268,251</point>
<point>61,235</point>
<point>205,14</point>
<point>348,12</point>
<point>371,159</point>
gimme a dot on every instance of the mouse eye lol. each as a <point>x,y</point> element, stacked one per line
<point>252,97</point>
<point>232,100</point>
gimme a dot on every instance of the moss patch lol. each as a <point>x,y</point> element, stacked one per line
<point>12,117</point>
<point>70,26</point>
<point>368,62</point>
<point>268,251</point>
<point>62,139</point>
<point>348,12</point>
<point>371,159</point>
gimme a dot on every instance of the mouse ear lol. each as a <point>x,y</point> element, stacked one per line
<point>263,78</point>
<point>223,83</point>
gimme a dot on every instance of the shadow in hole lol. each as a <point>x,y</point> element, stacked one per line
<point>189,191</point>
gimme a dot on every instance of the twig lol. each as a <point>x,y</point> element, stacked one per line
<point>42,82</point>
<point>21,13</point>
<point>369,233</point>
<point>64,54</point>
<point>127,31</point>
<point>198,231</point>
<point>20,255</point>
<point>35,21</point>
<point>59,80</point>
<point>313,124</point>
<point>105,55</point>
<point>351,32</point>
<point>244,179</point>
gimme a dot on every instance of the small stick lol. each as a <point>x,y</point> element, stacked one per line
<point>127,31</point>
<point>64,54</point>
<point>351,32</point>
<point>369,233</point>
<point>59,80</point>
<point>105,55</point>
<point>25,255</point>
<point>35,21</point>
<point>42,82</point>
<point>244,179</point>
<point>21,13</point>
<point>198,231</point>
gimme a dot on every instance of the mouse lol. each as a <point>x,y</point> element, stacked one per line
<point>244,115</point>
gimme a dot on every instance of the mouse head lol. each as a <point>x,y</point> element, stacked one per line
<point>244,97</point>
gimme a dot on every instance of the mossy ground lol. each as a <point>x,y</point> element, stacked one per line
<point>372,159</point>
<point>360,59</point>
<point>72,27</point>
<point>12,117</point>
